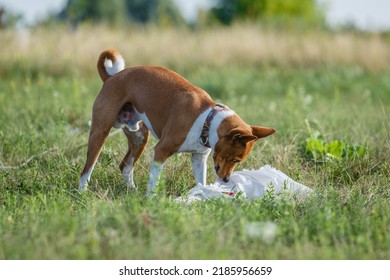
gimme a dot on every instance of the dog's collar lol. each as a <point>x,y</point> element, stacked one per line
<point>204,135</point>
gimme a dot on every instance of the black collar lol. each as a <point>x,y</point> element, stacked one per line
<point>204,135</point>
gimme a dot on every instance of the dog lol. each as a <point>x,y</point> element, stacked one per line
<point>183,117</point>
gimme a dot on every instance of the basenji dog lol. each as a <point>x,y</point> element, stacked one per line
<point>181,116</point>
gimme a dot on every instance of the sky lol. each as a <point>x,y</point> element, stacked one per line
<point>365,14</point>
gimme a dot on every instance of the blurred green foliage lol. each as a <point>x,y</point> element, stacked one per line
<point>9,19</point>
<point>165,13</point>
<point>116,13</point>
<point>77,11</point>
<point>285,12</point>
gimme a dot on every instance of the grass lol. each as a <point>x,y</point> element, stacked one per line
<point>46,96</point>
<point>70,52</point>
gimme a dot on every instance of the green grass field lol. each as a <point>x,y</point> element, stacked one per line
<point>45,105</point>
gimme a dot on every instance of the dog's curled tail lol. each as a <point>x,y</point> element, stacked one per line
<point>109,63</point>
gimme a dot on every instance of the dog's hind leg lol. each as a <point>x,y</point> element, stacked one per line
<point>103,118</point>
<point>136,141</point>
<point>95,144</point>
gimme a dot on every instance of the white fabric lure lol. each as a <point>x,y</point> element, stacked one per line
<point>251,184</point>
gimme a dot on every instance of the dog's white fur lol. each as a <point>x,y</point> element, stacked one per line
<point>117,66</point>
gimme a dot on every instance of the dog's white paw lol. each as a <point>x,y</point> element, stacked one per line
<point>83,188</point>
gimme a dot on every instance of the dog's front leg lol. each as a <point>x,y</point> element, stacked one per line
<point>162,152</point>
<point>154,178</point>
<point>199,166</point>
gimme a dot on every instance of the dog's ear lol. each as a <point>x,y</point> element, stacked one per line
<point>261,131</point>
<point>244,138</point>
<point>241,137</point>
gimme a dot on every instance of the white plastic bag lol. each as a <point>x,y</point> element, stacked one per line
<point>251,184</point>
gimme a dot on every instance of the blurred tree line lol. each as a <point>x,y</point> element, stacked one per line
<point>8,19</point>
<point>118,12</point>
<point>165,13</point>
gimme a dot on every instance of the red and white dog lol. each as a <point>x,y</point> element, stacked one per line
<point>180,115</point>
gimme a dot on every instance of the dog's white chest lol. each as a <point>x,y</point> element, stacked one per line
<point>191,144</point>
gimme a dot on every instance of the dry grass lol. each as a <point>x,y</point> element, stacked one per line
<point>239,45</point>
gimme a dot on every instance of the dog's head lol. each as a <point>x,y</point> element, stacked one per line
<point>234,147</point>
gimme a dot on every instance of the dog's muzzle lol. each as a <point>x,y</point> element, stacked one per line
<point>226,179</point>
